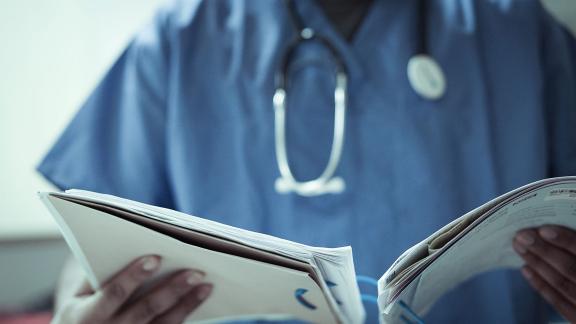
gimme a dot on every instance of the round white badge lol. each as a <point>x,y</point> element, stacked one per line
<point>426,77</point>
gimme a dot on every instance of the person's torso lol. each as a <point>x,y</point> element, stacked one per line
<point>410,165</point>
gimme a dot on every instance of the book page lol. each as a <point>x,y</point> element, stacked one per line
<point>199,239</point>
<point>243,288</point>
<point>334,265</point>
<point>485,245</point>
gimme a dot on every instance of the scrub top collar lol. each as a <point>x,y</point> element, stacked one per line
<point>314,17</point>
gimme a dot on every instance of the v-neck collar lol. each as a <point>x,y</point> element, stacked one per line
<point>346,15</point>
<point>314,17</point>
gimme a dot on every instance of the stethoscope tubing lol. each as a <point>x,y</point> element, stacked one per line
<point>325,183</point>
<point>420,63</point>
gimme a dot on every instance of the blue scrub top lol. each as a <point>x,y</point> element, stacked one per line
<point>184,119</point>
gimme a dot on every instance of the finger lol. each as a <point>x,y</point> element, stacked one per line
<point>561,304</point>
<point>163,297</point>
<point>187,305</point>
<point>559,236</point>
<point>561,260</point>
<point>117,290</point>
<point>85,289</point>
<point>553,278</point>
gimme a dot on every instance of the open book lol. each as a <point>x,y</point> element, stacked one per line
<point>257,276</point>
<point>479,241</point>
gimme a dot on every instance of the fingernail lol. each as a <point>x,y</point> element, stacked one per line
<point>525,238</point>
<point>527,273</point>
<point>150,263</point>
<point>548,233</point>
<point>194,278</point>
<point>204,292</point>
<point>519,248</point>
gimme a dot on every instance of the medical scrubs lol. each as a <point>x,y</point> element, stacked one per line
<point>184,119</point>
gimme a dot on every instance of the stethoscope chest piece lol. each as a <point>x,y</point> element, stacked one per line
<point>426,77</point>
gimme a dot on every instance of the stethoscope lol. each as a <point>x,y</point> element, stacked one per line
<point>424,75</point>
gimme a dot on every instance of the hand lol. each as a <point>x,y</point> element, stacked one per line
<point>169,301</point>
<point>550,256</point>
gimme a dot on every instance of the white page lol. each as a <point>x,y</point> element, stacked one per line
<point>244,288</point>
<point>335,264</point>
<point>487,246</point>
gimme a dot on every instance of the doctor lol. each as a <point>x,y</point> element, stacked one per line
<point>369,123</point>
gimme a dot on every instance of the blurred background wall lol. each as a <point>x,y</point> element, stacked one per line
<point>52,53</point>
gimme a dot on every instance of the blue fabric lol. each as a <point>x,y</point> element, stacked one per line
<point>184,119</point>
